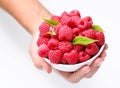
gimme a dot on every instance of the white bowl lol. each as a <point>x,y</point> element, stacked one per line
<point>72,68</point>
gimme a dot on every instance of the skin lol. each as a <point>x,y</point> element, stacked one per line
<point>30,14</point>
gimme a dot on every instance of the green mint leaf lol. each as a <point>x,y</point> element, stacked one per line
<point>51,22</point>
<point>97,27</point>
<point>52,31</point>
<point>82,40</point>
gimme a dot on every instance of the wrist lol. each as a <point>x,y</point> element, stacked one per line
<point>29,14</point>
<point>42,12</point>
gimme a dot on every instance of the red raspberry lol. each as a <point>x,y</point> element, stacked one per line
<point>64,18</point>
<point>78,47</point>
<point>80,34</point>
<point>73,21</point>
<point>92,49</point>
<point>100,37</point>
<point>64,13</point>
<point>83,56</point>
<point>71,57</point>
<point>63,61</point>
<point>89,20</point>
<point>65,33</point>
<point>82,24</point>
<point>74,13</point>
<point>55,18</point>
<point>55,56</point>
<point>44,28</point>
<point>43,50</point>
<point>90,33</point>
<point>42,40</point>
<point>65,46</point>
<point>76,31</point>
<point>57,28</point>
<point>53,43</point>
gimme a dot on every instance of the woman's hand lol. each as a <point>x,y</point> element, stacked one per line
<point>38,61</point>
<point>85,71</point>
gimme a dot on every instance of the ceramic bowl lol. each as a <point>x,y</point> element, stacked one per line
<point>72,68</point>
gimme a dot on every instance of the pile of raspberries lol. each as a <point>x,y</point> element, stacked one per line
<point>55,42</point>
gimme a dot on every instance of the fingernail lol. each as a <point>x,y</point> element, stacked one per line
<point>103,55</point>
<point>44,69</point>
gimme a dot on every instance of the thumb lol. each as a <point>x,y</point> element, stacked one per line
<point>45,66</point>
<point>38,61</point>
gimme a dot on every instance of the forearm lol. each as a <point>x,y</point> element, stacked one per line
<point>29,13</point>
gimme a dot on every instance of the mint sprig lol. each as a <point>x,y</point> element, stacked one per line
<point>97,27</point>
<point>51,22</point>
<point>82,40</point>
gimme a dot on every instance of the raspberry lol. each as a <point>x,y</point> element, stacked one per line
<point>43,50</point>
<point>74,13</point>
<point>42,40</point>
<point>44,28</point>
<point>90,33</point>
<point>55,56</point>
<point>64,18</point>
<point>64,14</point>
<point>71,57</point>
<point>63,61</point>
<point>82,24</point>
<point>92,49</point>
<point>65,33</point>
<point>73,21</point>
<point>89,20</point>
<point>55,18</point>
<point>53,43</point>
<point>83,56</point>
<point>57,28</point>
<point>65,46</point>
<point>100,37</point>
<point>76,31</point>
<point>78,47</point>
<point>80,34</point>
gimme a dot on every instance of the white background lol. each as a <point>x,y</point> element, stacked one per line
<point>17,69</point>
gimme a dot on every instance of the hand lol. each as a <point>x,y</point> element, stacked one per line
<point>85,71</point>
<point>37,60</point>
